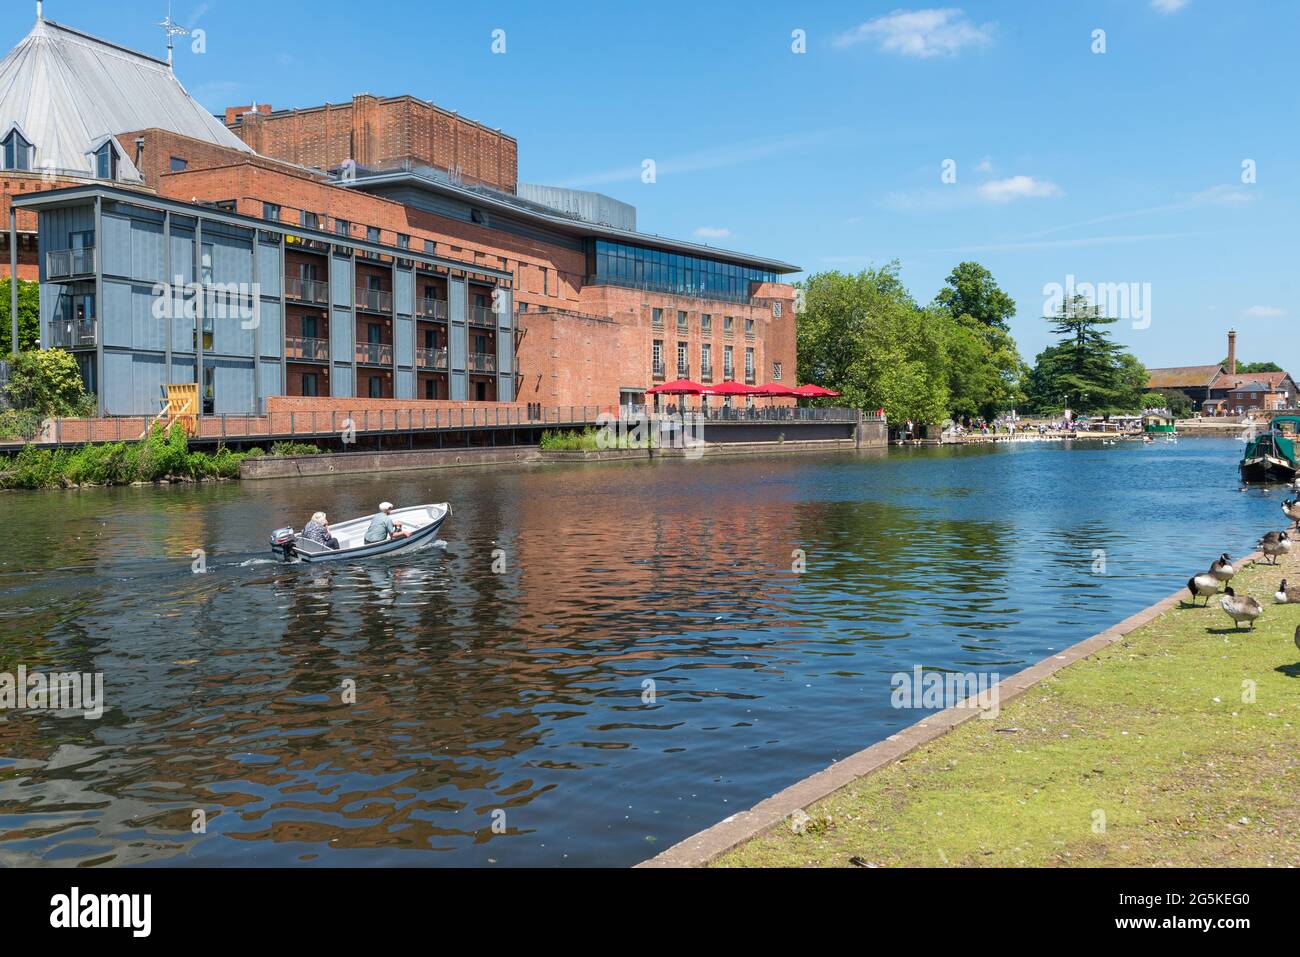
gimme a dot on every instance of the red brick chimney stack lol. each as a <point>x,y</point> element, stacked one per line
<point>1232,352</point>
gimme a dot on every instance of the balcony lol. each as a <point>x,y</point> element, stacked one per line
<point>375,300</point>
<point>728,374</point>
<point>683,371</point>
<point>482,316</point>
<point>432,309</point>
<point>74,334</point>
<point>658,368</point>
<point>706,373</point>
<point>301,347</point>
<point>307,290</point>
<point>482,362</point>
<point>432,358</point>
<point>66,263</point>
<point>749,378</point>
<point>375,353</point>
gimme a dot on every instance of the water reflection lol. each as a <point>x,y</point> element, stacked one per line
<point>525,692</point>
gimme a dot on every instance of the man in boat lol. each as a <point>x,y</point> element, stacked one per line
<point>318,530</point>
<point>382,527</point>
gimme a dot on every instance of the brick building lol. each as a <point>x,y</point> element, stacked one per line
<point>382,248</point>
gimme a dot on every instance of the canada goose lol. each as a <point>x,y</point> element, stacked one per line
<point>1222,568</point>
<point>1275,544</point>
<point>1240,608</point>
<point>1291,510</point>
<point>1203,586</point>
<point>1287,595</point>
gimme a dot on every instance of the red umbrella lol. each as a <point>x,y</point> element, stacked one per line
<point>729,388</point>
<point>774,389</point>
<point>677,387</point>
<point>814,392</point>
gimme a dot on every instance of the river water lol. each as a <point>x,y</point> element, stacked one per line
<point>641,663</point>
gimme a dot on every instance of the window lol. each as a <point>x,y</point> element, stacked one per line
<point>728,367</point>
<point>271,211</point>
<point>309,220</point>
<point>342,227</point>
<point>776,372</point>
<point>179,165</point>
<point>657,316</point>
<point>372,234</point>
<point>309,384</point>
<point>657,356</point>
<point>106,160</point>
<point>615,263</point>
<point>681,320</point>
<point>683,361</point>
<point>431,388</point>
<point>776,310</point>
<point>706,358</point>
<point>205,264</point>
<point>17,152</point>
<point>309,329</point>
<point>728,322</point>
<point>749,365</point>
<point>403,242</point>
<point>706,323</point>
<point>209,390</point>
<point>430,247</point>
<point>749,327</point>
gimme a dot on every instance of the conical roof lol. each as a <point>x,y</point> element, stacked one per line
<point>67,92</point>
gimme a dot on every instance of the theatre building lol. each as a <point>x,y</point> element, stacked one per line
<point>377,249</point>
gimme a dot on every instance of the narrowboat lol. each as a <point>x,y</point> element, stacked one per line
<point>1270,456</point>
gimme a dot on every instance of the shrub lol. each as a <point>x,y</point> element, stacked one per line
<point>295,448</point>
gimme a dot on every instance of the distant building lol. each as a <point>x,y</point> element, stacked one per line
<point>1216,390</point>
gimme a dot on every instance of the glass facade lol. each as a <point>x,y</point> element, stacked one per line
<point>621,264</point>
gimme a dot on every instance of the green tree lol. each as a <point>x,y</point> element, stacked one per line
<point>1245,368</point>
<point>971,291</point>
<point>1175,401</point>
<point>48,383</point>
<point>1086,370</point>
<point>29,316</point>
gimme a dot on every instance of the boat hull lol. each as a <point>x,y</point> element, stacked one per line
<point>1265,469</point>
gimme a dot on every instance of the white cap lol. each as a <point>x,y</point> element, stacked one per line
<point>385,506</point>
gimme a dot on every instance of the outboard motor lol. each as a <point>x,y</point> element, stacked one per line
<point>282,540</point>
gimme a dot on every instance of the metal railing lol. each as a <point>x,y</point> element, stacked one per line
<point>413,418</point>
<point>375,300</point>
<point>375,353</point>
<point>683,370</point>
<point>657,369</point>
<point>706,373</point>
<point>432,308</point>
<point>482,316</point>
<point>750,379</point>
<point>75,334</point>
<point>432,358</point>
<point>305,347</point>
<point>307,290</point>
<point>482,362</point>
<point>62,263</point>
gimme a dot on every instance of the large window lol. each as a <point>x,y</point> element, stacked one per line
<point>17,152</point>
<point>621,264</point>
<point>106,161</point>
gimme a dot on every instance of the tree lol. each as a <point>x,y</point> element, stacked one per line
<point>48,383</point>
<point>29,316</point>
<point>1172,399</point>
<point>1085,371</point>
<point>972,292</point>
<point>1245,368</point>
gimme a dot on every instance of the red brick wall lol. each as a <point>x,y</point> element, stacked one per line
<point>12,184</point>
<point>372,130</point>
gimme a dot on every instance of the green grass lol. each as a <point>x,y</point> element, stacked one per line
<point>585,441</point>
<point>1153,732</point>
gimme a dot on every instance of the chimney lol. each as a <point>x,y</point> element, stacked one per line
<point>1232,352</point>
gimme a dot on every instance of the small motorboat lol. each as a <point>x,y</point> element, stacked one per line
<point>422,521</point>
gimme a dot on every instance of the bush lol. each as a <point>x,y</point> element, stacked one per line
<point>48,383</point>
<point>295,448</point>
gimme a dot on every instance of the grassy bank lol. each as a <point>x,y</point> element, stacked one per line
<point>1152,752</point>
<point>162,456</point>
<point>587,440</point>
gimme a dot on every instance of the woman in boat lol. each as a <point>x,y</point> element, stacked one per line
<point>318,531</point>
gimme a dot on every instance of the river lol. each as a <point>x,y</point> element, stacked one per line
<point>596,661</point>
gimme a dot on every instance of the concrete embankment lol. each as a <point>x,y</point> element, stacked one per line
<point>348,463</point>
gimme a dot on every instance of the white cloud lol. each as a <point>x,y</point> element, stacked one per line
<point>1017,187</point>
<point>1222,195</point>
<point>1168,6</point>
<point>1263,312</point>
<point>985,166</point>
<point>942,31</point>
<point>712,232</point>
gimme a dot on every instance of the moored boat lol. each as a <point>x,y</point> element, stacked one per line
<point>1158,424</point>
<point>421,521</point>
<point>1271,456</point>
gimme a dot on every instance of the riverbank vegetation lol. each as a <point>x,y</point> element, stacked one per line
<point>865,336</point>
<point>29,315</point>
<point>42,384</point>
<point>1175,746</point>
<point>589,439</point>
<point>163,456</point>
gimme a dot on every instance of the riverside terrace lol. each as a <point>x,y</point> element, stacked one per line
<point>394,424</point>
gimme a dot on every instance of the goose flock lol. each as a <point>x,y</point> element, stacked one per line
<point>1243,608</point>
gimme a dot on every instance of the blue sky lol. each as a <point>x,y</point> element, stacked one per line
<point>1117,167</point>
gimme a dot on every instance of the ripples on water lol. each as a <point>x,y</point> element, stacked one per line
<point>523,691</point>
